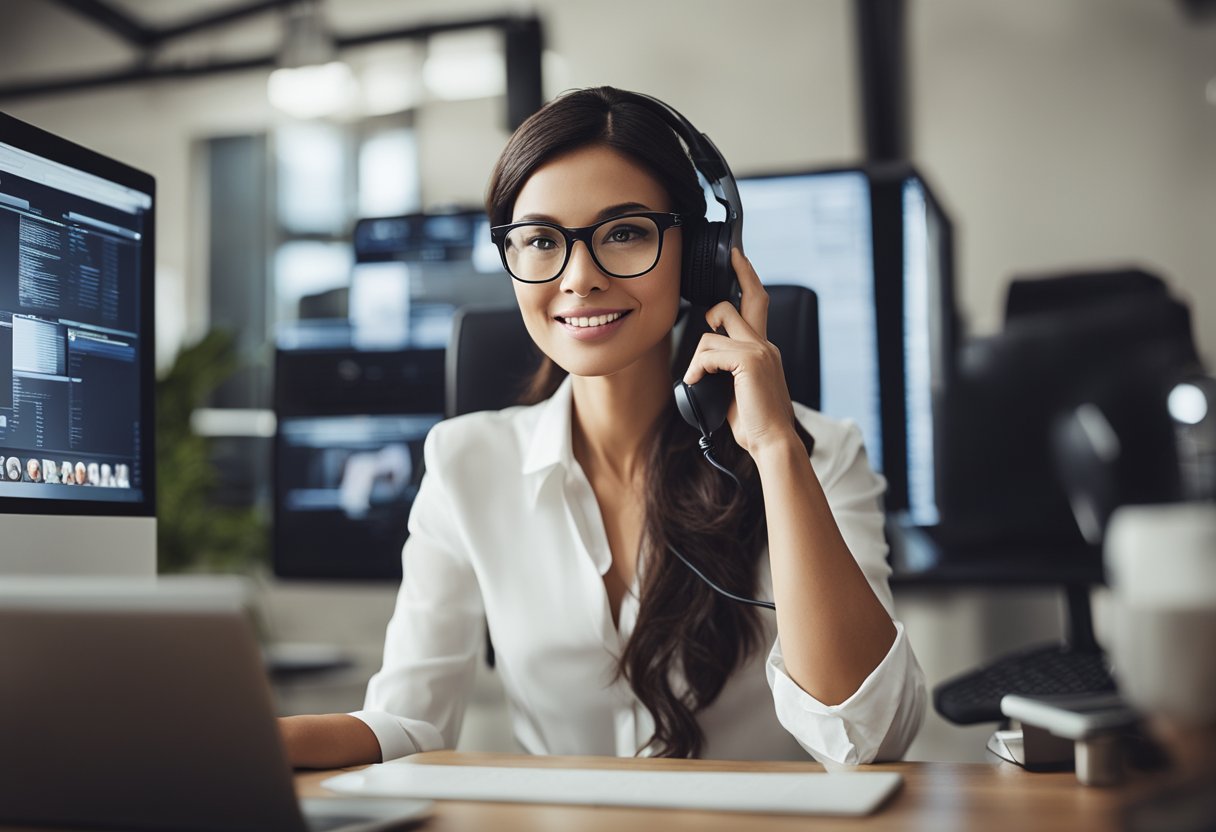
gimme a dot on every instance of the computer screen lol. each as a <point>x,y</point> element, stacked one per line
<point>76,339</point>
<point>347,485</point>
<point>356,397</point>
<point>814,230</point>
<point>876,248</point>
<point>928,341</point>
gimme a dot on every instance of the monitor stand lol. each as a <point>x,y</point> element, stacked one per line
<point>53,544</point>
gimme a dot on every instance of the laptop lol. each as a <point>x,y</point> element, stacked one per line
<point>145,705</point>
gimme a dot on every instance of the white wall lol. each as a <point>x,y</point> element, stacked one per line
<point>1069,134</point>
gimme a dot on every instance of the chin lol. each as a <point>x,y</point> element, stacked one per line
<point>589,366</point>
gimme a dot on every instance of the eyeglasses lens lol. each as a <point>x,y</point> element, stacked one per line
<point>624,247</point>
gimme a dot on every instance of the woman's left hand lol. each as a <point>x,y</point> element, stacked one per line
<point>761,414</point>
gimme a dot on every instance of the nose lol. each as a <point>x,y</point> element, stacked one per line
<point>582,276</point>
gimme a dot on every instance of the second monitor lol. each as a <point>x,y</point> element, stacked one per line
<point>877,247</point>
<point>358,388</point>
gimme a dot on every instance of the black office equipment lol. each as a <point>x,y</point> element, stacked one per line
<point>999,480</point>
<point>1192,408</point>
<point>490,361</point>
<point>360,383</point>
<point>348,457</point>
<point>1096,340</point>
<point>1039,671</point>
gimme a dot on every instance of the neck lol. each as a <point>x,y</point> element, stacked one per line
<point>614,416</point>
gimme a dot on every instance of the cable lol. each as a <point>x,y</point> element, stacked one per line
<point>766,604</point>
<point>707,449</point>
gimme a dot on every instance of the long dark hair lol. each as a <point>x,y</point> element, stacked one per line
<point>683,627</point>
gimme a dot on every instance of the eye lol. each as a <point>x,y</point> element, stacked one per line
<point>625,233</point>
<point>541,242</point>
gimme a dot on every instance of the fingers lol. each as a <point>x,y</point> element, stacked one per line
<point>746,328</point>
<point>724,316</point>
<point>750,321</point>
<point>702,363</point>
<point>720,354</point>
<point>754,303</point>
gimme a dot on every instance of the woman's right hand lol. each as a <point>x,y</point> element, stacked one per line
<point>328,741</point>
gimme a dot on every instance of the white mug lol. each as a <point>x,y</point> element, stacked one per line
<point>1161,566</point>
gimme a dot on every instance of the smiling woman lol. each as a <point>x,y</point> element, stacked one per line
<point>555,521</point>
<point>567,291</point>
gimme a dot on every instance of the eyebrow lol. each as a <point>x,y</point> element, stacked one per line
<point>610,211</point>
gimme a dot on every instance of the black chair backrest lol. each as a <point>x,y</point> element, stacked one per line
<point>491,356</point>
<point>1046,293</point>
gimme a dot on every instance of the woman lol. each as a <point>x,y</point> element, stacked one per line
<point>553,521</point>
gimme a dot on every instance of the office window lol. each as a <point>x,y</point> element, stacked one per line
<point>309,269</point>
<point>388,184</point>
<point>283,207</point>
<point>311,167</point>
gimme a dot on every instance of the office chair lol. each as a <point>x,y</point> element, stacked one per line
<point>491,356</point>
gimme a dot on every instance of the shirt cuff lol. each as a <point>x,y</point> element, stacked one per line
<point>882,715</point>
<point>398,735</point>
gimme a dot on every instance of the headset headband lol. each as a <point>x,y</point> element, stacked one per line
<point>706,158</point>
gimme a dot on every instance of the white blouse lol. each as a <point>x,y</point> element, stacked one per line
<point>506,529</point>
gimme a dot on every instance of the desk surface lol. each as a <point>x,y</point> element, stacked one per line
<point>990,797</point>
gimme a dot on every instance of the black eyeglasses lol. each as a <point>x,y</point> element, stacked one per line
<point>626,246</point>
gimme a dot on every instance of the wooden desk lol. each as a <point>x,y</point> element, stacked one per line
<point>934,797</point>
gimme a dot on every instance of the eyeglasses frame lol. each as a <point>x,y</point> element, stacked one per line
<point>664,220</point>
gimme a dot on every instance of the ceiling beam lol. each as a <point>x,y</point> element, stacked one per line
<point>142,36</point>
<point>142,72</point>
<point>221,18</point>
<point>107,17</point>
<point>136,74</point>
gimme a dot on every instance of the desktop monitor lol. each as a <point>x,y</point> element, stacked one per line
<point>355,396</point>
<point>876,246</point>
<point>348,457</point>
<point>77,491</point>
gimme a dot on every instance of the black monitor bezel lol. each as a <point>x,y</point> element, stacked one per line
<point>886,181</point>
<point>416,218</point>
<point>31,139</point>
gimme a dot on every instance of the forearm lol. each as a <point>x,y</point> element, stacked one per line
<point>328,741</point>
<point>834,631</point>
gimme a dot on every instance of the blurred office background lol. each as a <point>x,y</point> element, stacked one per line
<point>1058,135</point>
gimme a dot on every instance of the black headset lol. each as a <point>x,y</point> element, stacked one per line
<point>707,276</point>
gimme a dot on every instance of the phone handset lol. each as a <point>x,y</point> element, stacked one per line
<point>704,405</point>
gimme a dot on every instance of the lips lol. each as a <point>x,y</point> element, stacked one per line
<point>592,324</point>
<point>591,317</point>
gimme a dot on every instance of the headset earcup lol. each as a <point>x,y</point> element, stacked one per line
<point>701,281</point>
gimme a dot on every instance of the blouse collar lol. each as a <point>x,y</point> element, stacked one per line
<point>550,445</point>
